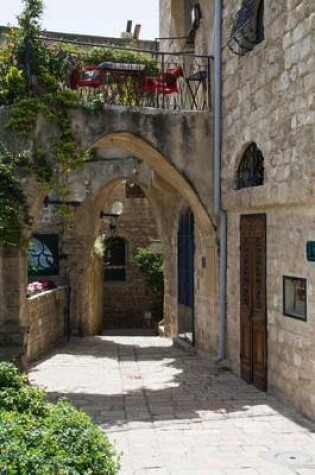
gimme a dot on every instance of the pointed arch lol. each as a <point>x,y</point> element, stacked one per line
<point>251,170</point>
<point>143,150</point>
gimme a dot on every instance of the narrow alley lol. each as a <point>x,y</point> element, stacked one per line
<point>173,413</point>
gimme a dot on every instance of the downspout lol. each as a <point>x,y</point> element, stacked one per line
<point>219,213</point>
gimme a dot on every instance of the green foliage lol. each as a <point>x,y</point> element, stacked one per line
<point>40,438</point>
<point>151,264</point>
<point>98,55</point>
<point>10,376</point>
<point>13,204</point>
<point>31,77</point>
<point>26,399</point>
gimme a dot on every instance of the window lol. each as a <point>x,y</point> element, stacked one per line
<point>133,190</point>
<point>42,256</point>
<point>115,259</point>
<point>248,27</point>
<point>294,297</point>
<point>251,171</point>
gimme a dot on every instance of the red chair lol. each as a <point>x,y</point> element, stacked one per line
<point>89,76</point>
<point>166,83</point>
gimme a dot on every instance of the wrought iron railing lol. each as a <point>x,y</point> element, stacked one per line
<point>167,80</point>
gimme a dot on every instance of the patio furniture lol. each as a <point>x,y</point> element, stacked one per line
<point>116,79</point>
<point>166,83</point>
<point>197,85</point>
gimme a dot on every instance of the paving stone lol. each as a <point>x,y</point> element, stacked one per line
<point>171,413</point>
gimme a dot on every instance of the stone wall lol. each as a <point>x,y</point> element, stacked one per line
<point>268,98</point>
<point>173,23</point>
<point>45,328</point>
<point>290,342</point>
<point>175,149</point>
<point>205,293</point>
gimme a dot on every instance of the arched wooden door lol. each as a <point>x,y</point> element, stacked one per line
<point>186,280</point>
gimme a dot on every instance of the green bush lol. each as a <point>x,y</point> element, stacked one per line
<point>10,376</point>
<point>151,265</point>
<point>39,438</point>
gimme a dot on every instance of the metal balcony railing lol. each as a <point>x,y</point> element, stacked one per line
<point>141,78</point>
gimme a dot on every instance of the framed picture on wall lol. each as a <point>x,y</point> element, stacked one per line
<point>295,297</point>
<point>42,255</point>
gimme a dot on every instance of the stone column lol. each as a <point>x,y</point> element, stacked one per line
<point>13,317</point>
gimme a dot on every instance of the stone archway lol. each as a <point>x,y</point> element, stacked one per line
<point>165,189</point>
<point>173,178</point>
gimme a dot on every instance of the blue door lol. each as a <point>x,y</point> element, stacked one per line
<point>185,272</point>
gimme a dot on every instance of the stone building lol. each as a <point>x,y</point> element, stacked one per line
<point>268,127</point>
<point>227,170</point>
<point>267,183</point>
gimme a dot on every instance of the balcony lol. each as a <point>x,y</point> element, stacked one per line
<point>140,78</point>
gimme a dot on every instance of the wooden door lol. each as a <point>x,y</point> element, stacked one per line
<point>253,300</point>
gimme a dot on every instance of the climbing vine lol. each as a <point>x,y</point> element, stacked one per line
<point>13,211</point>
<point>35,82</point>
<point>31,84</point>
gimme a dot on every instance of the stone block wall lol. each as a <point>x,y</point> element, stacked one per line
<point>45,326</point>
<point>205,293</point>
<point>268,98</point>
<point>290,344</point>
<point>173,23</point>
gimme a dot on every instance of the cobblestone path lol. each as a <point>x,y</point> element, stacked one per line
<point>171,413</point>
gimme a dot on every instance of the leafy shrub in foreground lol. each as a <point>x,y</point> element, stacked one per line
<point>26,399</point>
<point>40,438</point>
<point>10,376</point>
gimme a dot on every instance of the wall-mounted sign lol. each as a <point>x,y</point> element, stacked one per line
<point>310,251</point>
<point>43,255</point>
<point>295,297</point>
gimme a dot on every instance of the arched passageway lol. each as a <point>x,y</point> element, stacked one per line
<point>168,192</point>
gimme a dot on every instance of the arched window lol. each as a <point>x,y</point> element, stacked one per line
<point>133,190</point>
<point>115,259</point>
<point>248,27</point>
<point>251,170</point>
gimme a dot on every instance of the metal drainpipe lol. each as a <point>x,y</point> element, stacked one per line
<point>218,211</point>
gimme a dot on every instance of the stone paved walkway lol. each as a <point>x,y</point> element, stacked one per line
<point>171,413</point>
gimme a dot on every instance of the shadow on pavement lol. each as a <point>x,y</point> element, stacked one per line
<point>127,379</point>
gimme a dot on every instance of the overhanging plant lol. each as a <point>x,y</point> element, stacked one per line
<point>31,76</point>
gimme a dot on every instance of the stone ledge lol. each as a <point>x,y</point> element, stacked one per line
<point>45,293</point>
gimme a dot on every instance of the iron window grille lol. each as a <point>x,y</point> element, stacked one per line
<point>195,18</point>
<point>251,170</point>
<point>248,27</point>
